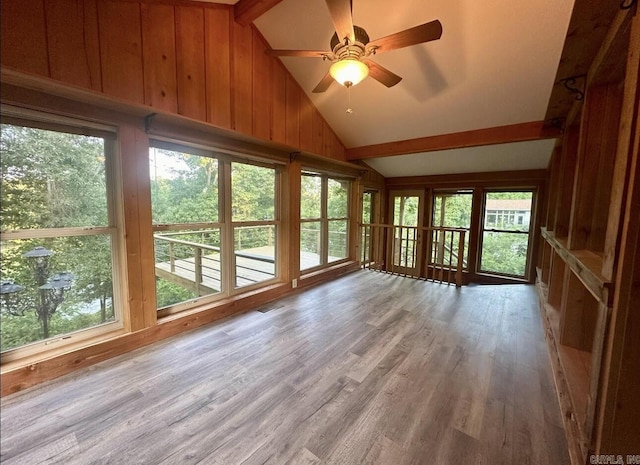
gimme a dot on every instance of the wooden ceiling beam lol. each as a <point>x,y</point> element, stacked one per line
<point>246,11</point>
<point>521,132</point>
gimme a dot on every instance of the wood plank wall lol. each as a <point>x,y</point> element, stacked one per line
<point>594,171</point>
<point>193,60</point>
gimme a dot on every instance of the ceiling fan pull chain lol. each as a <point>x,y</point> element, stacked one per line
<point>349,109</point>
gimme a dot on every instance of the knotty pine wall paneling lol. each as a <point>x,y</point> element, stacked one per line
<point>159,56</point>
<point>317,128</point>
<point>566,180</point>
<point>306,123</point>
<point>183,58</point>
<point>217,30</point>
<point>121,50</point>
<point>333,147</point>
<point>241,79</point>
<point>261,88</point>
<point>279,102</point>
<point>73,25</point>
<point>292,131</point>
<point>552,192</point>
<point>24,38</point>
<point>192,98</point>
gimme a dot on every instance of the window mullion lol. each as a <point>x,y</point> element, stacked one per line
<point>324,228</point>
<point>228,262</point>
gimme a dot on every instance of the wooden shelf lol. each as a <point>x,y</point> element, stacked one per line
<point>585,264</point>
<point>571,376</point>
<point>576,366</point>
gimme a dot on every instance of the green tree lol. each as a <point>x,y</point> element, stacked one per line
<point>53,180</point>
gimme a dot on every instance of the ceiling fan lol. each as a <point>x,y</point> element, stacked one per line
<point>351,48</point>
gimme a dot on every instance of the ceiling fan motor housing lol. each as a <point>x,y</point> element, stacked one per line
<point>345,49</point>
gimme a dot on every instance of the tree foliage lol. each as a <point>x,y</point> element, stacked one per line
<point>54,180</point>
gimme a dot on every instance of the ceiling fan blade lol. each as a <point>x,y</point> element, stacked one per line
<point>382,74</point>
<point>416,35</point>
<point>340,11</point>
<point>324,84</point>
<point>298,53</point>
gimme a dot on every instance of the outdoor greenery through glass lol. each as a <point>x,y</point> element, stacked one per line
<point>185,190</point>
<point>184,187</point>
<point>405,218</point>
<point>451,210</point>
<point>253,192</point>
<point>324,211</point>
<point>505,239</point>
<point>189,227</point>
<point>54,282</point>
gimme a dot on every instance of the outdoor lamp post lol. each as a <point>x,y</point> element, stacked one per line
<point>50,289</point>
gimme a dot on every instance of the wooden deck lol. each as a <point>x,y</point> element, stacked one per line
<point>248,271</point>
<point>252,266</point>
<point>368,369</point>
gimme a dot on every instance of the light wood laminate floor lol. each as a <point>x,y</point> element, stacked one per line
<point>367,369</point>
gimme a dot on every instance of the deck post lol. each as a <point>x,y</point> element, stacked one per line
<point>198,268</point>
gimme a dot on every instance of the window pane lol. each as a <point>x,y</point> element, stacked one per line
<point>405,210</point>
<point>452,210</point>
<point>255,254</point>
<point>367,208</point>
<point>310,244</point>
<point>51,179</point>
<point>187,265</point>
<point>338,235</point>
<point>445,247</point>
<point>253,192</point>
<point>54,286</point>
<point>510,211</point>
<point>504,252</point>
<point>310,197</point>
<point>184,187</point>
<point>337,199</point>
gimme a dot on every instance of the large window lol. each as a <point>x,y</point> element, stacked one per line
<point>505,236</point>
<point>368,241</point>
<point>215,223</point>
<point>324,213</point>
<point>451,210</point>
<point>59,238</point>
<point>187,239</point>
<point>253,192</point>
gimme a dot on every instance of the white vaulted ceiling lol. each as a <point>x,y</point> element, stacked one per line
<point>494,65</point>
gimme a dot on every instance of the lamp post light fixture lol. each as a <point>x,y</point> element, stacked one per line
<point>39,263</point>
<point>8,291</point>
<point>51,289</point>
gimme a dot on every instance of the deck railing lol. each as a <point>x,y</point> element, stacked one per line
<point>191,264</point>
<point>435,254</point>
<point>196,265</point>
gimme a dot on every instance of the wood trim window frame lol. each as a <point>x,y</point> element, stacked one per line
<point>530,233</point>
<point>225,223</point>
<point>112,230</point>
<point>325,221</point>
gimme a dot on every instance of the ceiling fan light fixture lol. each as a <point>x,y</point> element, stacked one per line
<point>349,71</point>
